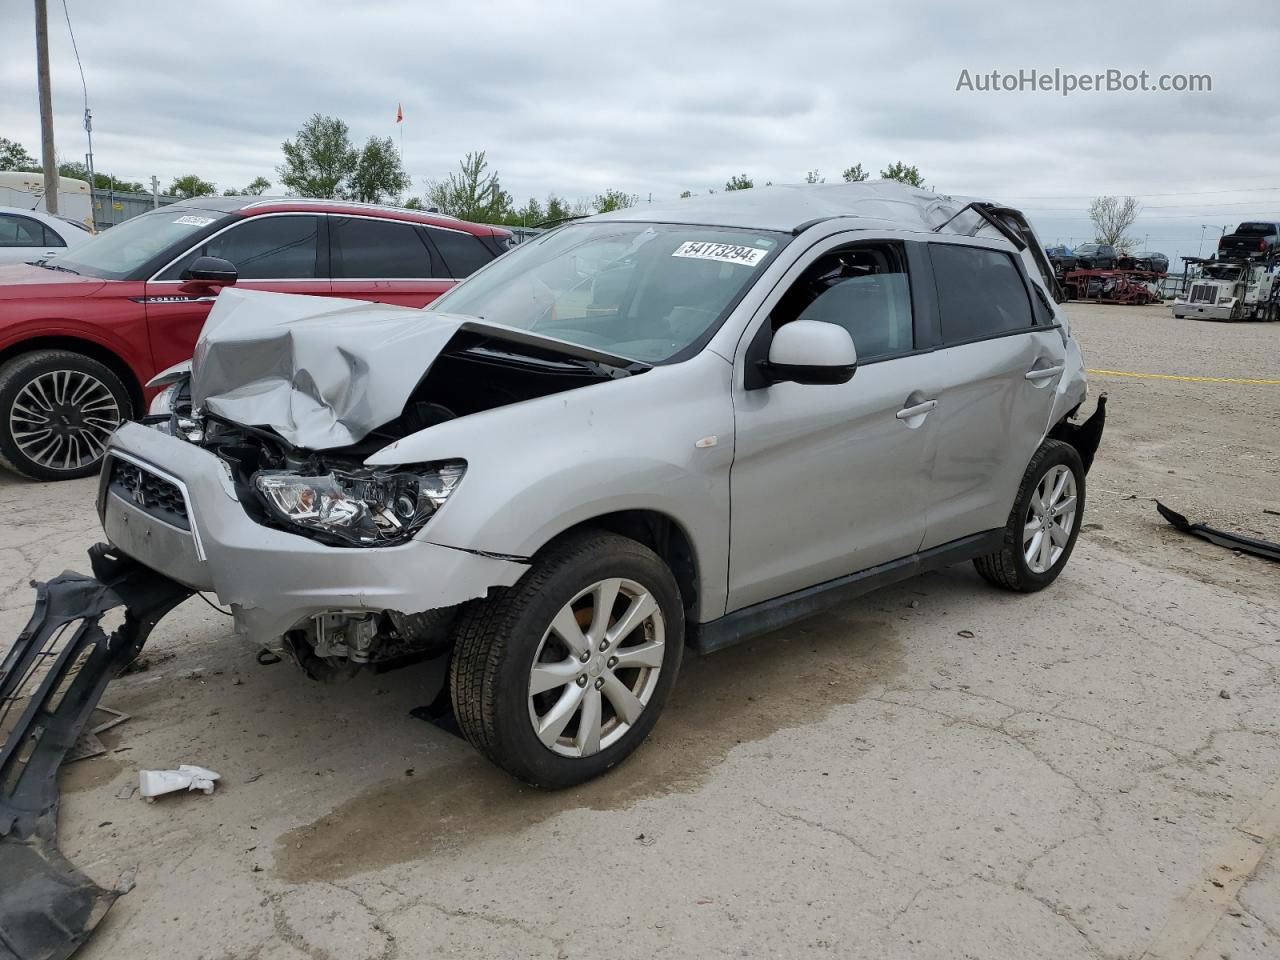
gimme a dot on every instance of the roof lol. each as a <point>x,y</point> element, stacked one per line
<point>788,206</point>
<point>310,204</point>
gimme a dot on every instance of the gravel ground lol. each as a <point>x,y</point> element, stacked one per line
<point>936,771</point>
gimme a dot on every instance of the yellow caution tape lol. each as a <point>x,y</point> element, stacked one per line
<point>1169,376</point>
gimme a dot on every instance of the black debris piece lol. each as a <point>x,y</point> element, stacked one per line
<point>1223,538</point>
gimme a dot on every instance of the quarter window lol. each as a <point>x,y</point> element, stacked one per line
<point>862,288</point>
<point>980,293</point>
<point>378,249</point>
<point>463,254</point>
<point>262,248</point>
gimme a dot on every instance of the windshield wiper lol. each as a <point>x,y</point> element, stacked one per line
<point>53,266</point>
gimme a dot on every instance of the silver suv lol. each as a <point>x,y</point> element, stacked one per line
<point>657,429</point>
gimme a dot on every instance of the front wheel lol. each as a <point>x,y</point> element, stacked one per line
<point>563,675</point>
<point>1044,523</point>
<point>58,409</point>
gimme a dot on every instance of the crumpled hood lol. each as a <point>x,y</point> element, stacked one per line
<point>320,372</point>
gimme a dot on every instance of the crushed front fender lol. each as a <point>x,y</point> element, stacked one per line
<point>50,681</point>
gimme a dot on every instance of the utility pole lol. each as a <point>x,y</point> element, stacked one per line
<point>48,157</point>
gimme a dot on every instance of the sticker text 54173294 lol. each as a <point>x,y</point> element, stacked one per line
<point>722,252</point>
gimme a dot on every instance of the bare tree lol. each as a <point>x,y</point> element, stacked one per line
<point>1112,217</point>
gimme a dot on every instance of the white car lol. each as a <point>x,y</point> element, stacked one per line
<point>27,235</point>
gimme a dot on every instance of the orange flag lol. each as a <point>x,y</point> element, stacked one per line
<point>399,114</point>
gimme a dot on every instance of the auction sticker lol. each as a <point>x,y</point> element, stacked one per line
<point>195,221</point>
<point>721,252</point>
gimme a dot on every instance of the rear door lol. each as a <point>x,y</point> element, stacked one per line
<point>390,261</point>
<point>280,252</point>
<point>1003,354</point>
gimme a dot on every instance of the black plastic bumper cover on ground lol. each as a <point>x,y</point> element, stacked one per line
<point>48,908</point>
<point>1223,538</point>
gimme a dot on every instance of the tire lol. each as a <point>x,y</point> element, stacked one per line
<point>500,639</point>
<point>92,404</point>
<point>1009,567</point>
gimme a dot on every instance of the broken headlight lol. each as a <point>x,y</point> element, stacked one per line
<point>360,508</point>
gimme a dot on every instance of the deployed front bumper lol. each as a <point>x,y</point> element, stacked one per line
<point>173,507</point>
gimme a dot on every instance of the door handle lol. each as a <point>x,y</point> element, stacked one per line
<point>916,410</point>
<point>1045,373</point>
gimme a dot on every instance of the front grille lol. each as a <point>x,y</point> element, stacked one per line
<point>149,493</point>
<point>1203,293</point>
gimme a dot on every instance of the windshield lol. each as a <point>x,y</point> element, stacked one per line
<point>119,251</point>
<point>645,291</point>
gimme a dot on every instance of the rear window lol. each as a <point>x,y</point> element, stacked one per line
<point>1256,229</point>
<point>980,293</point>
<point>378,250</point>
<point>463,253</point>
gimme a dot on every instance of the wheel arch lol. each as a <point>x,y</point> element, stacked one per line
<point>95,351</point>
<point>662,534</point>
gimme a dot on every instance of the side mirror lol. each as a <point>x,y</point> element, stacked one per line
<point>213,271</point>
<point>811,351</point>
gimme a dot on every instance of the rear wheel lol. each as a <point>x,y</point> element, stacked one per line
<point>1043,525</point>
<point>563,675</point>
<point>57,411</point>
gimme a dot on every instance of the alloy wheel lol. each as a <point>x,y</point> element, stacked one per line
<point>1052,514</point>
<point>597,667</point>
<point>62,419</point>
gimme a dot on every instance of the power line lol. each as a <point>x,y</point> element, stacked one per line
<point>1173,206</point>
<point>1188,193</point>
<point>88,119</point>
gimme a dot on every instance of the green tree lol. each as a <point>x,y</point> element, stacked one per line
<point>473,193</point>
<point>256,188</point>
<point>101,181</point>
<point>686,194</point>
<point>614,200</point>
<point>14,156</point>
<point>192,186</point>
<point>530,214</point>
<point>557,208</point>
<point>813,176</point>
<point>903,174</point>
<point>414,203</point>
<point>739,181</point>
<point>854,174</point>
<point>378,175</point>
<point>319,160</point>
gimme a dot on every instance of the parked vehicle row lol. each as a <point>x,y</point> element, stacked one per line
<point>83,328</point>
<point>1104,256</point>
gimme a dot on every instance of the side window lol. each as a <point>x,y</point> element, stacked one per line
<point>862,288</point>
<point>21,232</point>
<point>377,249</point>
<point>51,238</point>
<point>980,293</point>
<point>463,254</point>
<point>262,248</point>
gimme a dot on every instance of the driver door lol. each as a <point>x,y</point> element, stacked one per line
<point>283,253</point>
<point>832,479</point>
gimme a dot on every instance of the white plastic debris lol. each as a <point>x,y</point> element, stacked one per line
<point>153,783</point>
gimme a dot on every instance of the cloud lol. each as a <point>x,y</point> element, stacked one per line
<point>654,97</point>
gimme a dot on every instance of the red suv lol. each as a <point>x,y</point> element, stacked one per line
<point>82,333</point>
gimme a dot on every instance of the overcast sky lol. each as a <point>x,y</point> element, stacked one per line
<point>654,98</point>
